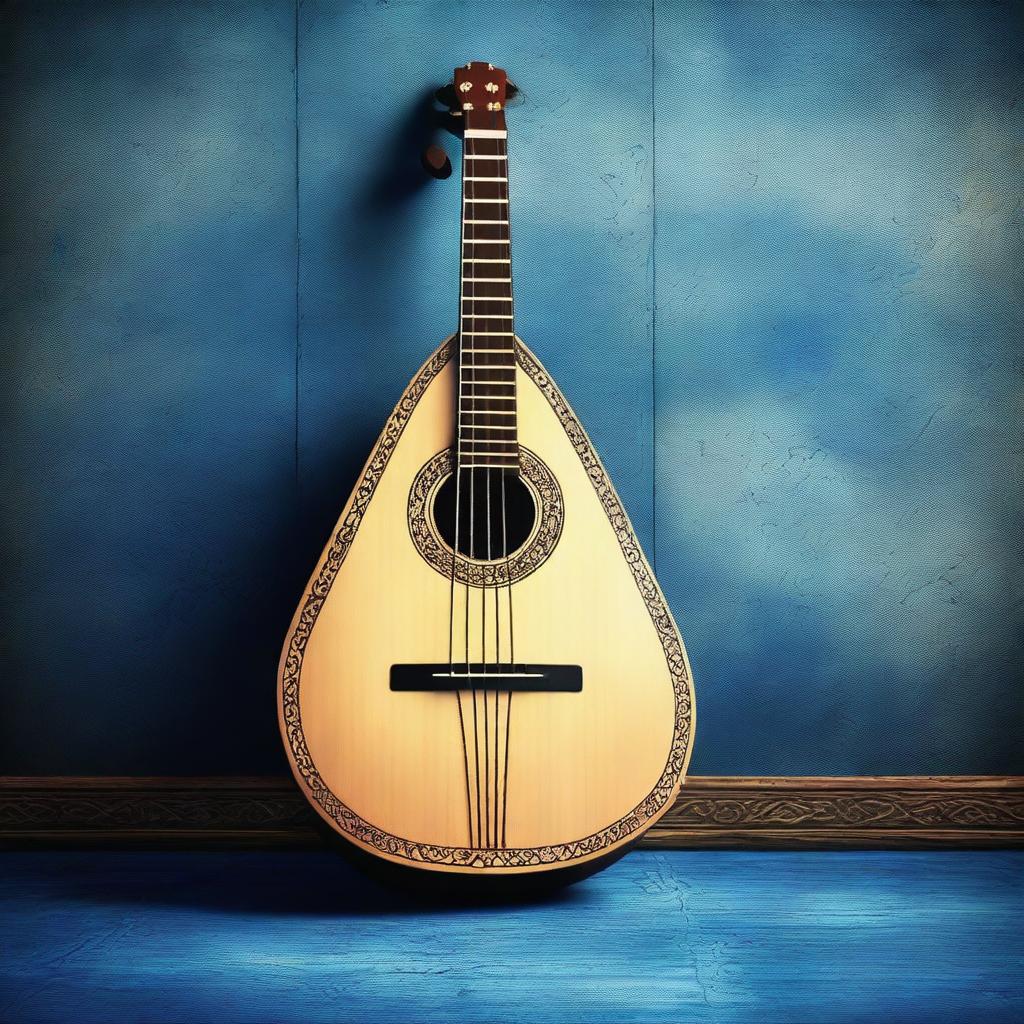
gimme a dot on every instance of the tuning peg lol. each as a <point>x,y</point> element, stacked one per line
<point>436,162</point>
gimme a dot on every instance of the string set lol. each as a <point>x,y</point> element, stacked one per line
<point>486,757</point>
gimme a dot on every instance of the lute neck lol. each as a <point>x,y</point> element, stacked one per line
<point>487,434</point>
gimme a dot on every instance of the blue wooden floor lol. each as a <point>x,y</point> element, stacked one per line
<point>682,936</point>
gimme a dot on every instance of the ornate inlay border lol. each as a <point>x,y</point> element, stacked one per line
<point>422,853</point>
<point>530,557</point>
<point>782,813</point>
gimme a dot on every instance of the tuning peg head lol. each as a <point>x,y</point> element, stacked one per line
<point>436,162</point>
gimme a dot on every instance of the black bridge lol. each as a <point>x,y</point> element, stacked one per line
<point>511,678</point>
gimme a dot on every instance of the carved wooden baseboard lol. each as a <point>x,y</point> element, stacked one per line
<point>918,811</point>
<point>824,812</point>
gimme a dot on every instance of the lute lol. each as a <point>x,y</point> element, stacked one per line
<point>483,676</point>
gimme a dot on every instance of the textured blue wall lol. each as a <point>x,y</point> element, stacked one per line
<point>839,340</point>
<point>221,265</point>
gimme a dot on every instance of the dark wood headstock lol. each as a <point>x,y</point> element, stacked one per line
<point>479,94</point>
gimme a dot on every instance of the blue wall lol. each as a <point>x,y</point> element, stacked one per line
<point>773,254</point>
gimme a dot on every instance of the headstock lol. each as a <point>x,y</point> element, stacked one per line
<point>479,95</point>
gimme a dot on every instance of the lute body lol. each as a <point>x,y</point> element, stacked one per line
<point>525,705</point>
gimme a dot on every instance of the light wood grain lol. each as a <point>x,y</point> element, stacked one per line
<point>577,763</point>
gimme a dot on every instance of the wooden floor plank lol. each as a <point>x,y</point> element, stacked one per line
<point>661,936</point>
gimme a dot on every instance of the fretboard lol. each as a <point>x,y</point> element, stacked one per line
<point>487,392</point>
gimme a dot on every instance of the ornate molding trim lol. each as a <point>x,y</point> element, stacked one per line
<point>529,558</point>
<point>167,811</point>
<point>822,811</point>
<point>817,812</point>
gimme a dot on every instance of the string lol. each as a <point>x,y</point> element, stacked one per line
<point>455,547</point>
<point>505,194</point>
<point>484,588</point>
<point>483,660</point>
<point>478,394</point>
<point>504,248</point>
<point>470,186</point>
<point>451,642</point>
<point>497,650</point>
<point>511,642</point>
<point>486,826</point>
<point>476,727</point>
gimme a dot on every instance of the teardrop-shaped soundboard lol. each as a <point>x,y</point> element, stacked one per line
<point>577,749</point>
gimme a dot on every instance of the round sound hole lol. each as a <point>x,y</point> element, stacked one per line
<point>493,549</point>
<point>496,513</point>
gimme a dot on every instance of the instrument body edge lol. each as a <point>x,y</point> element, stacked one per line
<point>577,775</point>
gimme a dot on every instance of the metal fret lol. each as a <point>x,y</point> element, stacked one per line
<point>486,384</point>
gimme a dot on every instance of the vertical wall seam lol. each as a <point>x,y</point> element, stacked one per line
<point>654,311</point>
<point>298,346</point>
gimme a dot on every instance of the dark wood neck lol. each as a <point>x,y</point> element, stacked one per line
<point>487,433</point>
